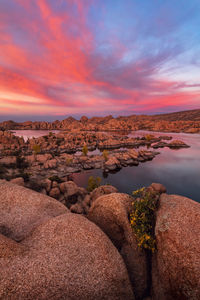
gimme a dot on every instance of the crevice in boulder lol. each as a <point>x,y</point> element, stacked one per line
<point>148,292</point>
<point>143,222</point>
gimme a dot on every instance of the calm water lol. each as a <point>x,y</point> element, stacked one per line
<point>27,134</point>
<point>178,170</point>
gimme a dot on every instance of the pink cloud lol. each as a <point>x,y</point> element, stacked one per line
<point>65,71</point>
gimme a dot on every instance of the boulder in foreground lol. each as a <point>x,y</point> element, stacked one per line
<point>110,212</point>
<point>59,255</point>
<point>176,264</point>
<point>22,210</point>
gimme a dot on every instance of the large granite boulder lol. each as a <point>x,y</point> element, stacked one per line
<point>176,264</point>
<point>66,257</point>
<point>23,209</point>
<point>9,249</point>
<point>46,252</point>
<point>110,212</point>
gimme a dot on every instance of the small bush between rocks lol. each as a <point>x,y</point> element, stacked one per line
<point>59,141</point>
<point>69,161</point>
<point>21,163</point>
<point>149,137</point>
<point>34,185</point>
<point>93,183</point>
<point>25,176</point>
<point>55,178</point>
<point>105,154</point>
<point>142,218</point>
<point>85,150</point>
<point>36,149</point>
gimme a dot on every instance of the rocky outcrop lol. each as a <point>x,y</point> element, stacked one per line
<point>187,121</point>
<point>110,213</point>
<point>10,143</point>
<point>102,190</point>
<point>176,263</point>
<point>157,187</point>
<point>112,164</point>
<point>172,272</point>
<point>178,144</point>
<point>22,210</point>
<point>61,256</point>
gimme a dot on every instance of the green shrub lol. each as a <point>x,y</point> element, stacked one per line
<point>85,150</point>
<point>69,161</point>
<point>142,218</point>
<point>26,176</point>
<point>93,183</point>
<point>36,149</point>
<point>105,154</point>
<point>34,185</point>
<point>21,163</point>
<point>55,178</point>
<point>149,137</point>
<point>59,141</point>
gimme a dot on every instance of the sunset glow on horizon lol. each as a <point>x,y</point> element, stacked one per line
<point>97,57</point>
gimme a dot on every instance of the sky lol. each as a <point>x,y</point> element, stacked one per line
<point>98,57</point>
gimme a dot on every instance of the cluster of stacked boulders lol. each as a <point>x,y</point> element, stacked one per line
<point>76,199</point>
<point>9,143</point>
<point>48,252</point>
<point>43,165</point>
<point>71,142</point>
<point>54,153</point>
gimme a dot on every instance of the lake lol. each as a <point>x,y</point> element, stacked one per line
<point>178,170</point>
<point>28,134</point>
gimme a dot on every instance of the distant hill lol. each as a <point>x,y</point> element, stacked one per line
<point>187,115</point>
<point>183,121</point>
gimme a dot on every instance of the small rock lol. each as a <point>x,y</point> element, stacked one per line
<point>69,188</point>
<point>18,181</point>
<point>102,190</point>
<point>158,187</point>
<point>76,208</point>
<point>47,184</point>
<point>54,193</point>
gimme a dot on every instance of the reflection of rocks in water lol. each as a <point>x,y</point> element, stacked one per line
<point>70,177</point>
<point>105,174</point>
